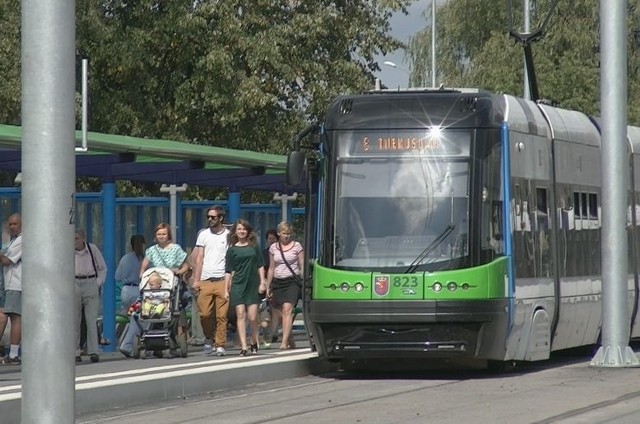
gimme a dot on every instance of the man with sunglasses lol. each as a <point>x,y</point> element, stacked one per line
<point>209,267</point>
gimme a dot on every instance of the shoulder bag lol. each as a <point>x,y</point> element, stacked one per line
<point>295,276</point>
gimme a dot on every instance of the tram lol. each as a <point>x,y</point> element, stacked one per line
<point>455,223</point>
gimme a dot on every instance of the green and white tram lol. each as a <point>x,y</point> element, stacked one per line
<point>454,223</point>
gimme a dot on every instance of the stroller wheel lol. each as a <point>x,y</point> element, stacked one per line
<point>136,347</point>
<point>184,347</point>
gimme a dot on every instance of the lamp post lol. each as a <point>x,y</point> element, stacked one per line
<point>433,43</point>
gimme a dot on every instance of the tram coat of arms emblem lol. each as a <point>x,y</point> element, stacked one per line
<point>381,285</point>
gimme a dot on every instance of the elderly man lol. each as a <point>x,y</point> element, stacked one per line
<point>11,259</point>
<point>91,271</point>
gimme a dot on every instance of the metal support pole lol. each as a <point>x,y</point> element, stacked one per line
<point>615,350</point>
<point>48,168</point>
<point>284,199</point>
<point>233,205</point>
<point>108,252</point>
<point>527,30</point>
<point>433,43</point>
<point>173,190</point>
<point>85,106</point>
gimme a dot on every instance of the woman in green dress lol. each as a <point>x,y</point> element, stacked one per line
<point>244,278</point>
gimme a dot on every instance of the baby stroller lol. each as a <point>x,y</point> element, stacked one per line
<point>160,315</point>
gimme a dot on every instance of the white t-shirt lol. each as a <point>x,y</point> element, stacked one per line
<point>13,273</point>
<point>215,250</point>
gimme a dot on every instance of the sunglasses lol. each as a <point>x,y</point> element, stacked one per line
<point>212,217</point>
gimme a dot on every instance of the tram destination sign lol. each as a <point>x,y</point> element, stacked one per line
<point>440,144</point>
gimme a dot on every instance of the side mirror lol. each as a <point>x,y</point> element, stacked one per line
<point>295,167</point>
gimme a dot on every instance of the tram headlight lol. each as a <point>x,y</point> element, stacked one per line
<point>358,287</point>
<point>465,286</point>
<point>332,286</point>
<point>452,286</point>
<point>344,286</point>
<point>436,287</point>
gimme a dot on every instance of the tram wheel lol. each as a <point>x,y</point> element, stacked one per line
<point>500,367</point>
<point>355,365</point>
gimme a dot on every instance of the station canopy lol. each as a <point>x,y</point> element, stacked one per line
<point>116,157</point>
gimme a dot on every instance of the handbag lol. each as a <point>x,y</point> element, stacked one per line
<point>295,276</point>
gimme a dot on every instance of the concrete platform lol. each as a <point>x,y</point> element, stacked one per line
<point>117,382</point>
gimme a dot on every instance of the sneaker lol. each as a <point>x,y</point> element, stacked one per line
<point>94,357</point>
<point>11,361</point>
<point>220,351</point>
<point>78,359</point>
<point>208,349</point>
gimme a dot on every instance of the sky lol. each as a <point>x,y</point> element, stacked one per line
<point>402,27</point>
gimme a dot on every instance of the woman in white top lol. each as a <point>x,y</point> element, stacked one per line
<point>284,278</point>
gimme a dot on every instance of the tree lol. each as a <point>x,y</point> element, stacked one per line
<point>235,74</point>
<point>10,61</point>
<point>226,73</point>
<point>475,50</point>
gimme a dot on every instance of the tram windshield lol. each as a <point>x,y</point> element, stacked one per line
<point>401,212</point>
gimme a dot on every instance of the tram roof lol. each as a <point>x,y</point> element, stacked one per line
<point>162,161</point>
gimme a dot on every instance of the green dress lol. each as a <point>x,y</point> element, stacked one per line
<point>244,261</point>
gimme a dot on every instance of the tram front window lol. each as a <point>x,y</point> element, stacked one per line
<point>389,210</point>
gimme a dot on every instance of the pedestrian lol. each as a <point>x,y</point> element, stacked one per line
<point>209,281</point>
<point>11,260</point>
<point>271,236</point>
<point>128,274</point>
<point>284,279</point>
<point>3,316</point>
<point>270,317</point>
<point>197,334</point>
<point>163,254</point>
<point>244,277</point>
<point>91,272</point>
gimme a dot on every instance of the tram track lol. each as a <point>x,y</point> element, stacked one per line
<point>585,414</point>
<point>563,390</point>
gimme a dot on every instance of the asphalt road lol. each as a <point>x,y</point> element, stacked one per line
<point>563,390</point>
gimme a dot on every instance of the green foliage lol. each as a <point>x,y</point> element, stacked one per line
<point>244,75</point>
<point>236,74</point>
<point>475,50</point>
<point>10,62</point>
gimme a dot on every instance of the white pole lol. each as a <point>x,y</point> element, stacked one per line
<point>285,200</point>
<point>527,29</point>
<point>49,174</point>
<point>615,350</point>
<point>433,43</point>
<point>173,205</point>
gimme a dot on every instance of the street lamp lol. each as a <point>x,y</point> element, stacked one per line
<point>393,65</point>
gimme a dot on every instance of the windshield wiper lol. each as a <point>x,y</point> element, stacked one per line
<point>430,248</point>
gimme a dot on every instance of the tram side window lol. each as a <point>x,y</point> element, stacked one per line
<point>542,209</point>
<point>594,216</point>
<point>578,210</point>
<point>492,221</point>
<point>587,214</point>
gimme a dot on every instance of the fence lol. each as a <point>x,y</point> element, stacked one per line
<point>140,215</point>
